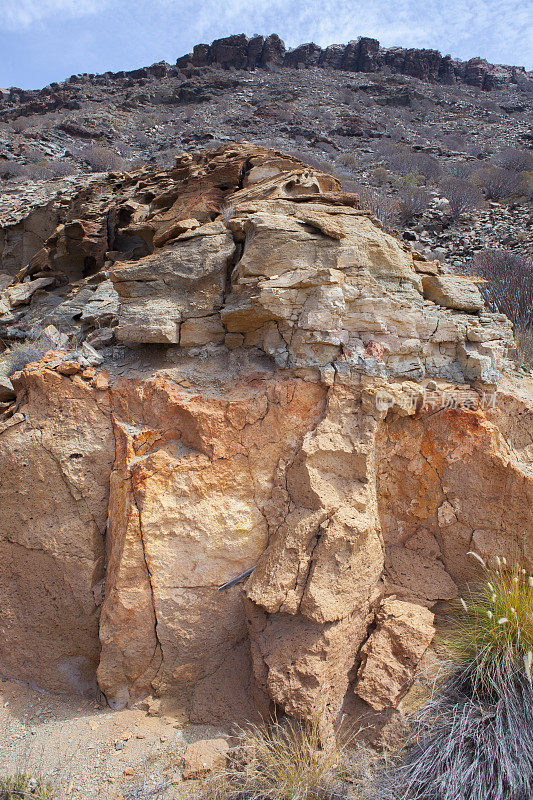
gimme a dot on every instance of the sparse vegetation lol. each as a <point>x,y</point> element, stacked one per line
<point>21,353</point>
<point>509,290</point>
<point>412,202</point>
<point>378,202</point>
<point>462,195</point>
<point>498,183</point>
<point>474,739</point>
<point>102,159</point>
<point>285,760</point>
<point>20,786</point>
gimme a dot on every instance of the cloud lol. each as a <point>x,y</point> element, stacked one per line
<point>49,39</point>
<point>499,30</point>
<point>21,14</point>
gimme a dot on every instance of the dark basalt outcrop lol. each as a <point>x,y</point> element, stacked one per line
<point>362,55</point>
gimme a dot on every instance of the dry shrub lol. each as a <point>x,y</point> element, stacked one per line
<point>21,353</point>
<point>411,202</point>
<point>381,176</point>
<point>509,290</point>
<point>12,169</point>
<point>498,183</point>
<point>524,347</point>
<point>285,760</point>
<point>20,124</point>
<point>462,195</point>
<point>514,158</point>
<point>102,159</point>
<point>377,202</point>
<point>509,284</point>
<point>348,160</point>
<point>404,161</point>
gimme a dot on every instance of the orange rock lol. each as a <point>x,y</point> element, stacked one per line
<point>68,367</point>
<point>101,381</point>
<point>204,757</point>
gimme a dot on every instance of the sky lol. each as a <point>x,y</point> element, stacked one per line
<point>48,40</point>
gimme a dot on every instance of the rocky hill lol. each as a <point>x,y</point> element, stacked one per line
<point>248,439</point>
<point>361,55</point>
<point>440,150</point>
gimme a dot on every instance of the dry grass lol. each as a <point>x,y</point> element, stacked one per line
<point>22,786</point>
<point>284,760</point>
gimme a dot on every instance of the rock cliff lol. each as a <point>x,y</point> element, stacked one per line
<point>361,55</point>
<point>278,392</point>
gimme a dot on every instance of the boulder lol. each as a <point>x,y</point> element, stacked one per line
<point>204,757</point>
<point>7,391</point>
<point>453,291</point>
<point>390,655</point>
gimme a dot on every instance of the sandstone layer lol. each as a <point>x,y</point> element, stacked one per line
<point>287,396</point>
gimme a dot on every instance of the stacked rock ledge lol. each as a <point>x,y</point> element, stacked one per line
<point>301,395</point>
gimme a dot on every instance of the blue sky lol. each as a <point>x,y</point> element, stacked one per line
<point>48,40</point>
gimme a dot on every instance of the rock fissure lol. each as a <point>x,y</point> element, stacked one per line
<point>146,565</point>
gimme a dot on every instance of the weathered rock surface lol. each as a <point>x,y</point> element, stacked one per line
<point>204,757</point>
<point>286,402</point>
<point>403,634</point>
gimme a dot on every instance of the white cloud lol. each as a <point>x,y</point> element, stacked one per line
<point>499,30</point>
<point>22,14</point>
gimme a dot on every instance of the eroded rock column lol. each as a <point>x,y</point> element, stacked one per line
<point>310,600</point>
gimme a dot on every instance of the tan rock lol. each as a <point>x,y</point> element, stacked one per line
<point>204,757</point>
<point>56,461</point>
<point>101,380</point>
<point>453,291</point>
<point>200,331</point>
<point>188,510</point>
<point>68,367</point>
<point>389,658</point>
<point>88,373</point>
<point>157,291</point>
<point>302,458</point>
<point>21,293</point>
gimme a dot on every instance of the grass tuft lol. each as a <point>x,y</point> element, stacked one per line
<point>25,786</point>
<point>284,760</point>
<point>474,739</point>
<point>492,633</point>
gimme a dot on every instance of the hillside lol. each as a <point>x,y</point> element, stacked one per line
<point>409,140</point>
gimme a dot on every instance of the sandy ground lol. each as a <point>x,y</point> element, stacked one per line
<point>87,751</point>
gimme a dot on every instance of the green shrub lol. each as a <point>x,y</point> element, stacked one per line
<point>493,631</point>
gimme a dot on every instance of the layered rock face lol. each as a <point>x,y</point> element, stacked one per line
<point>290,397</point>
<point>361,55</point>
